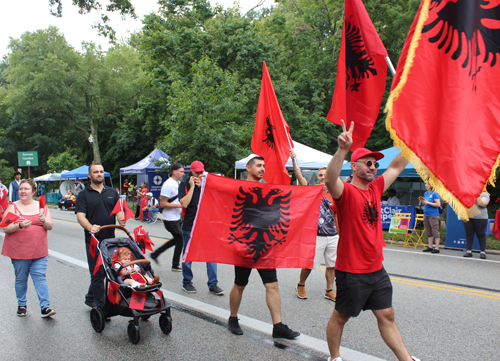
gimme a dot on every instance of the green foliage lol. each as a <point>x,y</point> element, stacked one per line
<point>63,161</point>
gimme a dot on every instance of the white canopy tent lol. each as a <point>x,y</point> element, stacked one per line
<point>50,177</point>
<point>307,157</point>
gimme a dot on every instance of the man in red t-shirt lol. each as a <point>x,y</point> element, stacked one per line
<point>362,282</point>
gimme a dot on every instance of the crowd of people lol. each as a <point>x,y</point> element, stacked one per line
<point>349,239</point>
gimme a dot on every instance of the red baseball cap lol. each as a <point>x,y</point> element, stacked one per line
<point>198,166</point>
<point>363,152</point>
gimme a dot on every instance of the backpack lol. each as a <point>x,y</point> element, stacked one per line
<point>443,207</point>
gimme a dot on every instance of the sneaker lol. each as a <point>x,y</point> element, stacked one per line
<point>280,330</point>
<point>177,268</point>
<point>467,254</point>
<point>47,312</point>
<point>335,359</point>
<point>330,295</point>
<point>482,255</point>
<point>234,326</point>
<point>435,250</point>
<point>91,304</point>
<point>216,290</point>
<point>301,291</point>
<point>22,311</point>
<point>415,359</point>
<point>189,288</point>
<point>154,258</point>
<point>427,249</point>
<point>156,280</point>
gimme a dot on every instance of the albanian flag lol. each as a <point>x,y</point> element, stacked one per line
<point>93,245</point>
<point>98,264</point>
<point>10,218</point>
<point>113,294</point>
<point>271,136</point>
<point>142,238</point>
<point>42,202</point>
<point>361,74</point>
<point>444,108</point>
<point>137,300</point>
<point>122,206</point>
<point>255,225</point>
<point>4,201</point>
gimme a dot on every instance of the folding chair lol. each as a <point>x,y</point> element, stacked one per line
<point>400,233</point>
<point>414,235</point>
<point>157,217</point>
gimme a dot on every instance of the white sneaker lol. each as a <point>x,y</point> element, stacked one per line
<point>415,359</point>
<point>336,359</point>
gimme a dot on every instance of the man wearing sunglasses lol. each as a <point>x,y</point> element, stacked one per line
<point>362,282</point>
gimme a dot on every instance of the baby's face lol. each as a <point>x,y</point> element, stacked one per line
<point>127,259</point>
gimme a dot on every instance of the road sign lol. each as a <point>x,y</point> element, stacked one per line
<point>28,159</point>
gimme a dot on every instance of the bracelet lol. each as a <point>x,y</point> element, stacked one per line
<point>20,225</point>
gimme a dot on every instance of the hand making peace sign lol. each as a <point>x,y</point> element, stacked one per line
<point>345,139</point>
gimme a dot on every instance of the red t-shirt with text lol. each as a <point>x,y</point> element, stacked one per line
<point>360,229</point>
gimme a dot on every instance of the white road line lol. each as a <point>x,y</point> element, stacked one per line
<point>440,255</point>
<point>305,341</point>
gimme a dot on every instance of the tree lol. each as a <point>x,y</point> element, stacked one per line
<point>63,161</point>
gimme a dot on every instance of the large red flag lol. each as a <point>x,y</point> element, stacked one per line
<point>122,206</point>
<point>271,136</point>
<point>137,300</point>
<point>444,109</point>
<point>361,74</point>
<point>9,218</point>
<point>255,225</point>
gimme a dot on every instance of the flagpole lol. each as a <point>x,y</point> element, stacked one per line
<point>290,145</point>
<point>389,63</point>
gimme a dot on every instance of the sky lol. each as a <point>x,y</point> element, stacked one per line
<point>19,16</point>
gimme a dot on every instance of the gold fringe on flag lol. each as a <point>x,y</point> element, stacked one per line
<point>420,167</point>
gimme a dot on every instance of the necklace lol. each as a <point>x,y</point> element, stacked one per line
<point>367,198</point>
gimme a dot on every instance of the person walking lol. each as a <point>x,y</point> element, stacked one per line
<point>432,224</point>
<point>478,221</point>
<point>26,245</point>
<point>256,169</point>
<point>171,215</point>
<point>189,197</point>
<point>14,187</point>
<point>362,282</point>
<point>93,206</point>
<point>326,239</point>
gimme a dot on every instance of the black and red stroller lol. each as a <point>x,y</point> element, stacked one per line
<point>122,299</point>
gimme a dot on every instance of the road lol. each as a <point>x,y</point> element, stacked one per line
<point>446,309</point>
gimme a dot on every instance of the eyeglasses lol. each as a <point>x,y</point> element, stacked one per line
<point>369,163</point>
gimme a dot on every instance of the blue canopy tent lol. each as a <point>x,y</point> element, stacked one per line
<point>153,174</point>
<point>81,172</point>
<point>389,155</point>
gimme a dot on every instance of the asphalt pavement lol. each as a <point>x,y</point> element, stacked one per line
<point>446,309</point>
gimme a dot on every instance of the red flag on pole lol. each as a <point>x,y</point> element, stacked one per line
<point>255,225</point>
<point>444,109</point>
<point>113,294</point>
<point>98,263</point>
<point>10,218</point>
<point>271,136</point>
<point>42,202</point>
<point>122,206</point>
<point>142,237</point>
<point>93,245</point>
<point>361,74</point>
<point>137,300</point>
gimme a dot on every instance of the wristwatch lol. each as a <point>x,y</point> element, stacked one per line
<point>20,225</point>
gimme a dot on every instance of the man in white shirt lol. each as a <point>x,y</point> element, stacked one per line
<point>172,216</point>
<point>151,208</point>
<point>392,200</point>
<point>14,187</point>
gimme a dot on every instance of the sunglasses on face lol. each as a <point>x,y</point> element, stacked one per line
<point>369,163</point>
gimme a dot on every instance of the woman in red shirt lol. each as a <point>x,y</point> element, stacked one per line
<point>26,244</point>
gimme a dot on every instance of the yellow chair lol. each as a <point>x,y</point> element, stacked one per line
<point>414,235</point>
<point>400,233</point>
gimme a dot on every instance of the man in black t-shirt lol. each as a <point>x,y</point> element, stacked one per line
<point>189,196</point>
<point>93,207</point>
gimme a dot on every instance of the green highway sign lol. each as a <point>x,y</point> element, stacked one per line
<point>27,159</point>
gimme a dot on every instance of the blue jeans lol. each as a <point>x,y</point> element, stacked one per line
<point>37,268</point>
<point>187,273</point>
<point>151,211</point>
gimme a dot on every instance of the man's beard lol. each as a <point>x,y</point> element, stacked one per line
<point>97,181</point>
<point>367,177</point>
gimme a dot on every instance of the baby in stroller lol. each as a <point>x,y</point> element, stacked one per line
<point>131,274</point>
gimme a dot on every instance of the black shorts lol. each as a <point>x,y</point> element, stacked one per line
<point>362,291</point>
<point>241,275</point>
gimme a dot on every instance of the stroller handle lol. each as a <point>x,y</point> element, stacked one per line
<point>117,227</point>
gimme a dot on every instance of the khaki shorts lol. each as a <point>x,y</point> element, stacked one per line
<point>326,251</point>
<point>432,226</point>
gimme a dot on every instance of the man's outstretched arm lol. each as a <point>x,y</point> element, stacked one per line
<point>397,165</point>
<point>332,181</point>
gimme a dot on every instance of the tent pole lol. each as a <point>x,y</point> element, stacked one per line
<point>235,172</point>
<point>120,185</point>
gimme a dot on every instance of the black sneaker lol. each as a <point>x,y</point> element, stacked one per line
<point>427,249</point>
<point>154,258</point>
<point>22,311</point>
<point>189,288</point>
<point>435,250</point>
<point>467,254</point>
<point>482,255</point>
<point>234,326</point>
<point>91,304</point>
<point>177,268</point>
<point>280,330</point>
<point>216,290</point>
<point>47,312</point>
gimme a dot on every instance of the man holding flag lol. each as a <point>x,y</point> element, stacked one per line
<point>93,208</point>
<point>362,282</point>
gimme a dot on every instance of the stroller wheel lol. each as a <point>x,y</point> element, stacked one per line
<point>165,323</point>
<point>133,332</point>
<point>145,318</point>
<point>97,319</point>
